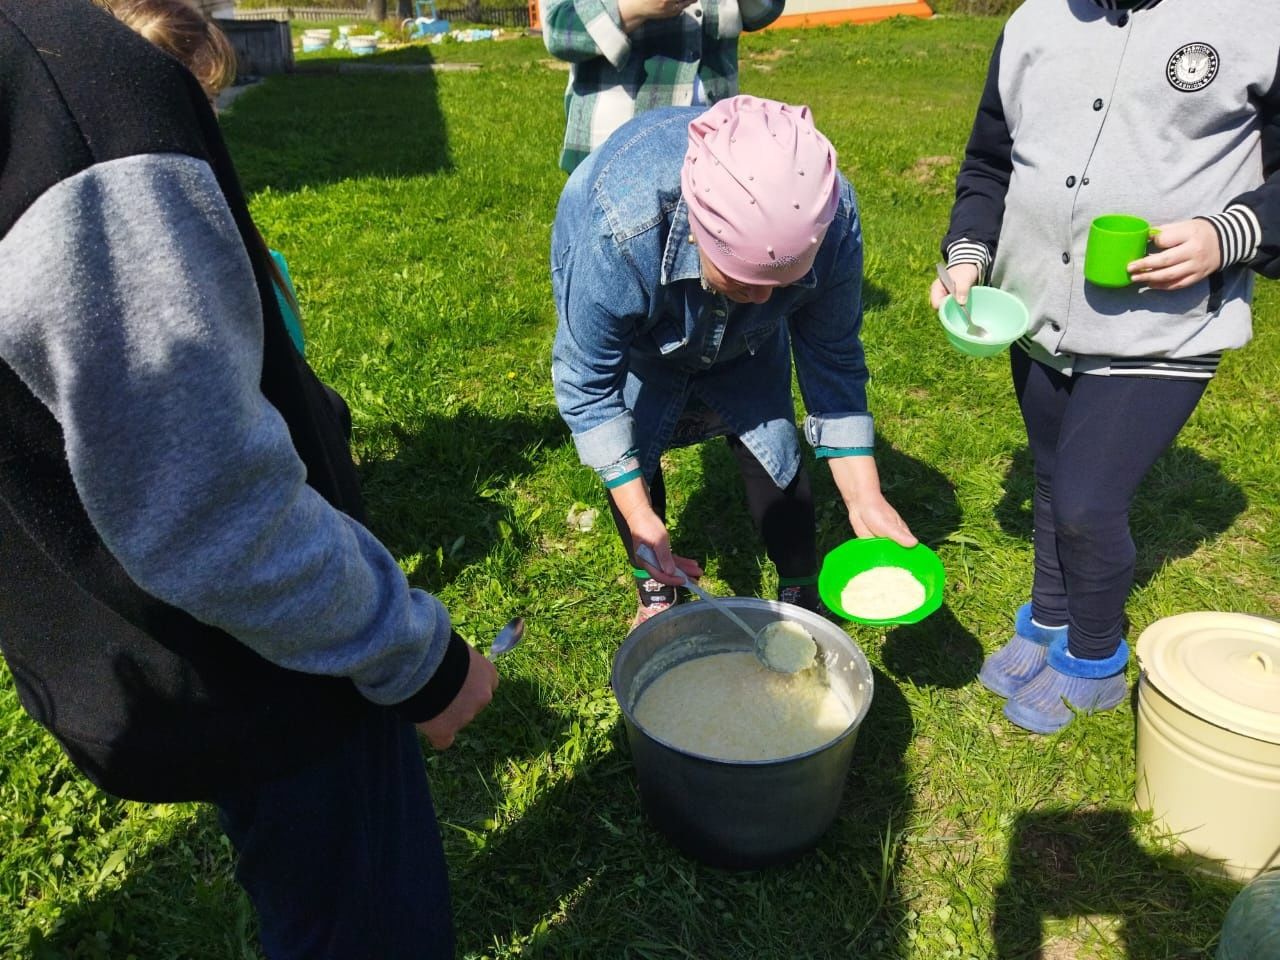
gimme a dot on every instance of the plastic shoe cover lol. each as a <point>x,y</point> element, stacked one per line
<point>1011,667</point>
<point>1068,685</point>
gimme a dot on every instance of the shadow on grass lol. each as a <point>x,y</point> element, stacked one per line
<point>715,521</point>
<point>578,873</point>
<point>581,873</point>
<point>1085,870</point>
<point>317,128</point>
<point>874,296</point>
<point>179,902</point>
<point>938,651</point>
<point>1185,501</point>
<point>436,491</point>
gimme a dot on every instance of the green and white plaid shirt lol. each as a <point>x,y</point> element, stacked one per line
<point>682,60</point>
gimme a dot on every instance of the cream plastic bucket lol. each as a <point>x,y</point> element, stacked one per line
<point>1208,737</point>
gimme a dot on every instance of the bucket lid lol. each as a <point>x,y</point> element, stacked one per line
<point>1222,667</point>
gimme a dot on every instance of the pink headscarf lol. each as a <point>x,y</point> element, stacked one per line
<point>761,186</point>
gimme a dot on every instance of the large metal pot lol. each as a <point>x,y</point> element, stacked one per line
<point>739,814</point>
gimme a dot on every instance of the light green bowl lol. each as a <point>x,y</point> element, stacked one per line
<point>857,556</point>
<point>1002,315</point>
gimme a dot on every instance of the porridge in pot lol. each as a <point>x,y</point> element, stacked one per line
<point>732,707</point>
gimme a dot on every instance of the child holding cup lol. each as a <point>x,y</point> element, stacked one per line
<point>1164,111</point>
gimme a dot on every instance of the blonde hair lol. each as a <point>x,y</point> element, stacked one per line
<point>181,30</point>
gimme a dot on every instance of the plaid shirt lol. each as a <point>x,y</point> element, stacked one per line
<point>678,61</point>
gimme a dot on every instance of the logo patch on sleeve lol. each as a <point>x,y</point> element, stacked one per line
<point>1192,67</point>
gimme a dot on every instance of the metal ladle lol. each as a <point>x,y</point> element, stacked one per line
<point>759,640</point>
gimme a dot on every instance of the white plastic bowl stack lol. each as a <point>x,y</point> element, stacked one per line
<point>313,40</point>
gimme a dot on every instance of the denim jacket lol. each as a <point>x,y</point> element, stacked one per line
<point>638,337</point>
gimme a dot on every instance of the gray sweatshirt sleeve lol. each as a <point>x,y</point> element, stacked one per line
<point>128,307</point>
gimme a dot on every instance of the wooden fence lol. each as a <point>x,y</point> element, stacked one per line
<point>305,14</point>
<point>511,17</point>
<point>262,48</point>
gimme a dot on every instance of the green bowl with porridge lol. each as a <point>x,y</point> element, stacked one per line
<point>875,581</point>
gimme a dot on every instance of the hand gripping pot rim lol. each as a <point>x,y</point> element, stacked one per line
<point>762,187</point>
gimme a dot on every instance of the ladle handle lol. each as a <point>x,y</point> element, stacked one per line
<point>721,606</point>
<point>644,552</point>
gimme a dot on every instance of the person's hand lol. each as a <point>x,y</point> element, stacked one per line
<point>647,529</point>
<point>1188,252</point>
<point>873,516</point>
<point>476,692</point>
<point>635,12</point>
<point>963,275</point>
<point>870,514</point>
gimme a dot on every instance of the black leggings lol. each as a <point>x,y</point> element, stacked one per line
<point>1093,439</point>
<point>784,518</point>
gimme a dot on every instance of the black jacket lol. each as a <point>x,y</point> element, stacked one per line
<point>148,702</point>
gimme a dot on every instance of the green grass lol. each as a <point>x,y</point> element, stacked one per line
<point>414,210</point>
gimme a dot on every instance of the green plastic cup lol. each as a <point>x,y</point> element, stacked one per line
<point>1115,241</point>
<point>857,556</point>
<point>1002,317</point>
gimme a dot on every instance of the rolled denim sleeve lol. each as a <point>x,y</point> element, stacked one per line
<point>599,298</point>
<point>579,30</point>
<point>830,364</point>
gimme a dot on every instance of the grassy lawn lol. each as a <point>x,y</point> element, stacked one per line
<point>414,209</point>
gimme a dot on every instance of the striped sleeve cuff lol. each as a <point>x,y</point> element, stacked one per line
<point>970,251</point>
<point>1239,234</point>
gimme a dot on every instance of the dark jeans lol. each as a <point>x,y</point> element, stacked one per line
<point>343,861</point>
<point>785,518</point>
<point>1093,439</point>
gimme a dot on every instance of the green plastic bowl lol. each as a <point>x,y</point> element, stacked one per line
<point>1002,315</point>
<point>857,556</point>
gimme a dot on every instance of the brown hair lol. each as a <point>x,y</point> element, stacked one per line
<point>180,29</point>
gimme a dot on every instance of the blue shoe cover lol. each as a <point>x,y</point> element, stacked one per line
<point>1010,668</point>
<point>1068,685</point>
